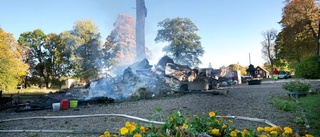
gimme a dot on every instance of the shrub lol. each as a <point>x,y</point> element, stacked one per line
<point>296,85</point>
<point>56,83</point>
<point>283,104</point>
<point>308,68</point>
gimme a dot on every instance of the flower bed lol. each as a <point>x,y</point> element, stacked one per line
<point>297,87</point>
<point>209,126</point>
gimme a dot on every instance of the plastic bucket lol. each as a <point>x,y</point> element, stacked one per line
<point>73,103</point>
<point>64,104</point>
<point>55,106</point>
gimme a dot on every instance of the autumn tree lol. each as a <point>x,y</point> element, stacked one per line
<point>298,38</point>
<point>184,44</point>
<point>236,67</point>
<point>11,59</point>
<point>268,46</point>
<point>123,36</point>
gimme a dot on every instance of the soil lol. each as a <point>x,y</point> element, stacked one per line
<point>242,100</point>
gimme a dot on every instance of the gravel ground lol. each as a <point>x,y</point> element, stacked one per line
<point>242,100</point>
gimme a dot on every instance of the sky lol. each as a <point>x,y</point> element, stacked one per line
<point>230,30</point>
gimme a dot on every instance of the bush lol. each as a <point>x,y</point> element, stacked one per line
<point>297,85</point>
<point>56,83</point>
<point>283,104</point>
<point>308,68</point>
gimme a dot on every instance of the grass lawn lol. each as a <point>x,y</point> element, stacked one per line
<point>310,106</point>
<point>29,91</point>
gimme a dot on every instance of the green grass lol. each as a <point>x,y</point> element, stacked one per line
<point>29,91</point>
<point>284,103</point>
<point>310,104</point>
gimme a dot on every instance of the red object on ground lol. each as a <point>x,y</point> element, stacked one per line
<point>64,104</point>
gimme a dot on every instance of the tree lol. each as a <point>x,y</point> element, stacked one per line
<point>308,68</point>
<point>123,36</point>
<point>86,46</point>
<point>69,43</point>
<point>108,53</point>
<point>236,67</point>
<point>184,44</point>
<point>12,67</point>
<point>63,55</point>
<point>268,46</point>
<point>39,55</point>
<point>298,38</point>
<point>53,45</point>
<point>56,64</point>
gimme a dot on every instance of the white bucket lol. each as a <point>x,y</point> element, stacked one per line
<point>55,106</point>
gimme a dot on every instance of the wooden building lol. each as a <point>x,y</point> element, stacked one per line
<point>261,73</point>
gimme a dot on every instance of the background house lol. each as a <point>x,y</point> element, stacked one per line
<point>261,73</point>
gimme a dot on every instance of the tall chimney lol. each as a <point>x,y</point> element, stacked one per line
<point>141,13</point>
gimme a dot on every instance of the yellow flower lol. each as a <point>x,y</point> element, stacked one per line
<point>212,114</point>
<point>230,121</point>
<point>137,135</point>
<point>185,126</point>
<point>287,130</point>
<point>142,129</point>
<point>259,129</point>
<point>273,132</point>
<point>133,124</point>
<point>131,128</point>
<point>124,131</point>
<point>233,133</point>
<point>263,136</point>
<point>308,135</point>
<point>224,126</point>
<point>245,131</point>
<point>276,128</point>
<point>171,119</point>
<point>101,136</point>
<point>106,134</point>
<point>215,131</point>
<point>128,124</point>
<point>267,129</point>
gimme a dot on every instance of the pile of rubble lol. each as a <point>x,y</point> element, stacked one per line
<point>142,80</point>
